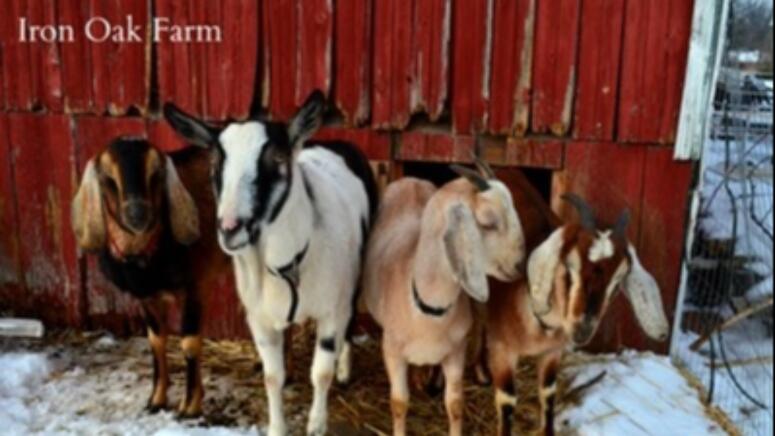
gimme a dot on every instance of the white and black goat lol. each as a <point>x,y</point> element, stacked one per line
<point>295,219</point>
<point>573,272</point>
<point>430,250</point>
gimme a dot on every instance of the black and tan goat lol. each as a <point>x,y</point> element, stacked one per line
<point>573,272</point>
<point>140,211</point>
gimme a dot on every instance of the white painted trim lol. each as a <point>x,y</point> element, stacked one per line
<point>705,52</point>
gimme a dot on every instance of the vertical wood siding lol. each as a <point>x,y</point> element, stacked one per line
<point>588,89</point>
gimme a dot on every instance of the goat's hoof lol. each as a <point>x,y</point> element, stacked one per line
<point>188,414</point>
<point>154,408</point>
<point>317,430</point>
<point>343,376</point>
<point>276,430</point>
<point>189,410</point>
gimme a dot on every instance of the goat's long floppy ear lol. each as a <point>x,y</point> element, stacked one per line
<point>646,300</point>
<point>541,267</point>
<point>308,119</point>
<point>192,129</point>
<point>184,215</point>
<point>465,253</point>
<point>86,212</point>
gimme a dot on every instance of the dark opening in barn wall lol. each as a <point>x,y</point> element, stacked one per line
<point>440,173</point>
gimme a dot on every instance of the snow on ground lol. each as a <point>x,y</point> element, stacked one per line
<point>49,392</point>
<point>750,352</point>
<point>98,386</point>
<point>640,394</point>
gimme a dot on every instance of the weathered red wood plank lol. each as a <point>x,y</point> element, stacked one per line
<point>352,54</point>
<point>376,145</point>
<point>134,62</point>
<point>433,147</point>
<point>175,74</point>
<point>666,185</point>
<point>243,61</point>
<point>44,171</point>
<point>524,153</point>
<point>383,55</point>
<point>554,61</point>
<point>432,40</point>
<point>598,69</point>
<point>16,59</point>
<point>470,68</point>
<point>11,284</point>
<point>656,37</point>
<point>394,73</point>
<point>677,52</point>
<point>280,28</point>
<point>101,56</point>
<point>76,59</point>
<point>107,307</point>
<point>316,24</point>
<point>215,61</point>
<point>45,63</point>
<point>512,58</point>
<point>608,189</point>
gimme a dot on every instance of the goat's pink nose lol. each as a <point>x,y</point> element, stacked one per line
<point>229,224</point>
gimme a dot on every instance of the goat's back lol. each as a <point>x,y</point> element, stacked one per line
<point>508,319</point>
<point>393,240</point>
<point>208,262</point>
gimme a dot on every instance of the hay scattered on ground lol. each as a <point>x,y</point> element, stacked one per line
<point>235,394</point>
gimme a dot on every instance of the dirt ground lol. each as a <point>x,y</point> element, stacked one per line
<point>112,379</point>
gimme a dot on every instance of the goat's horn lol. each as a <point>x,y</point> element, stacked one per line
<point>620,228</point>
<point>586,214</point>
<point>481,165</point>
<point>472,176</point>
<point>484,168</point>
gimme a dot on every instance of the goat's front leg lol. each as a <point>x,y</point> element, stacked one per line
<point>548,368</point>
<point>344,363</point>
<point>269,343</point>
<point>330,341</point>
<point>453,367</point>
<point>397,366</point>
<point>154,313</point>
<point>502,366</point>
<point>191,343</point>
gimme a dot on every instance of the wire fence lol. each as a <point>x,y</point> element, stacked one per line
<point>726,333</point>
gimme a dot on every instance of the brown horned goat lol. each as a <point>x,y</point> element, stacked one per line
<point>573,272</point>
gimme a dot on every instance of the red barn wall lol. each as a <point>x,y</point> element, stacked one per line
<point>587,89</point>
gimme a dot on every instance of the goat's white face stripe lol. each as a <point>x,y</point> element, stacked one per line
<point>242,145</point>
<point>602,247</point>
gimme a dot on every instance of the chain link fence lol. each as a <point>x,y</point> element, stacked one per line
<point>725,336</point>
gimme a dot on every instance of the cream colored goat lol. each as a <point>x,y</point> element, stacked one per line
<point>429,251</point>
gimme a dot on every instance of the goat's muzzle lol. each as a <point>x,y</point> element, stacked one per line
<point>137,215</point>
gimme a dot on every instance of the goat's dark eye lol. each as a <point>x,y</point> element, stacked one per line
<point>489,227</point>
